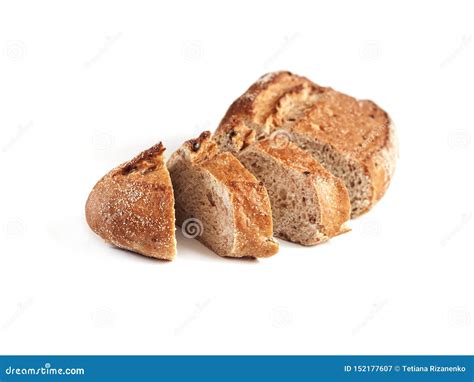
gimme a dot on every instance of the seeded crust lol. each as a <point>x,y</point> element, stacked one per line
<point>230,205</point>
<point>132,206</point>
<point>309,204</point>
<point>353,139</point>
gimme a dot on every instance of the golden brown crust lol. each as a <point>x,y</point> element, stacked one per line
<point>132,206</point>
<point>259,99</point>
<point>143,158</point>
<point>331,193</point>
<point>381,164</point>
<point>201,148</point>
<point>245,117</point>
<point>360,130</point>
<point>356,128</point>
<point>292,105</point>
<point>253,227</point>
<point>251,204</point>
<point>334,204</point>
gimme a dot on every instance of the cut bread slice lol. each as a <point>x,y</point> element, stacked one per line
<point>132,206</point>
<point>309,204</point>
<point>219,202</point>
<point>355,140</point>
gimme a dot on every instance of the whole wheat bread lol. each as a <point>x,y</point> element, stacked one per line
<point>355,140</point>
<point>132,206</point>
<point>309,204</point>
<point>219,202</point>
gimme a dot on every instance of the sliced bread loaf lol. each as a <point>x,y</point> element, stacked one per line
<point>355,140</point>
<point>309,204</point>
<point>219,202</point>
<point>132,206</point>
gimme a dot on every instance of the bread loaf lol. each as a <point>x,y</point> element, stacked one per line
<point>355,140</point>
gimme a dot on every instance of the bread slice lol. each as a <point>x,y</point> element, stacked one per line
<point>219,202</point>
<point>309,204</point>
<point>132,206</point>
<point>355,140</point>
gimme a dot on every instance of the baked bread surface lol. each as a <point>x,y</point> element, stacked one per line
<point>309,204</point>
<point>132,207</point>
<point>232,197</point>
<point>354,139</point>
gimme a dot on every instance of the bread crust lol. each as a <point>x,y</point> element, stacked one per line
<point>371,143</point>
<point>251,210</point>
<point>368,137</point>
<point>381,163</point>
<point>243,121</point>
<point>330,191</point>
<point>132,207</point>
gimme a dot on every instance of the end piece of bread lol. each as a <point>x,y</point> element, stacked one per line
<point>355,140</point>
<point>219,202</point>
<point>132,206</point>
<point>309,204</point>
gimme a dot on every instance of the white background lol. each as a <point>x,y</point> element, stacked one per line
<point>86,85</point>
